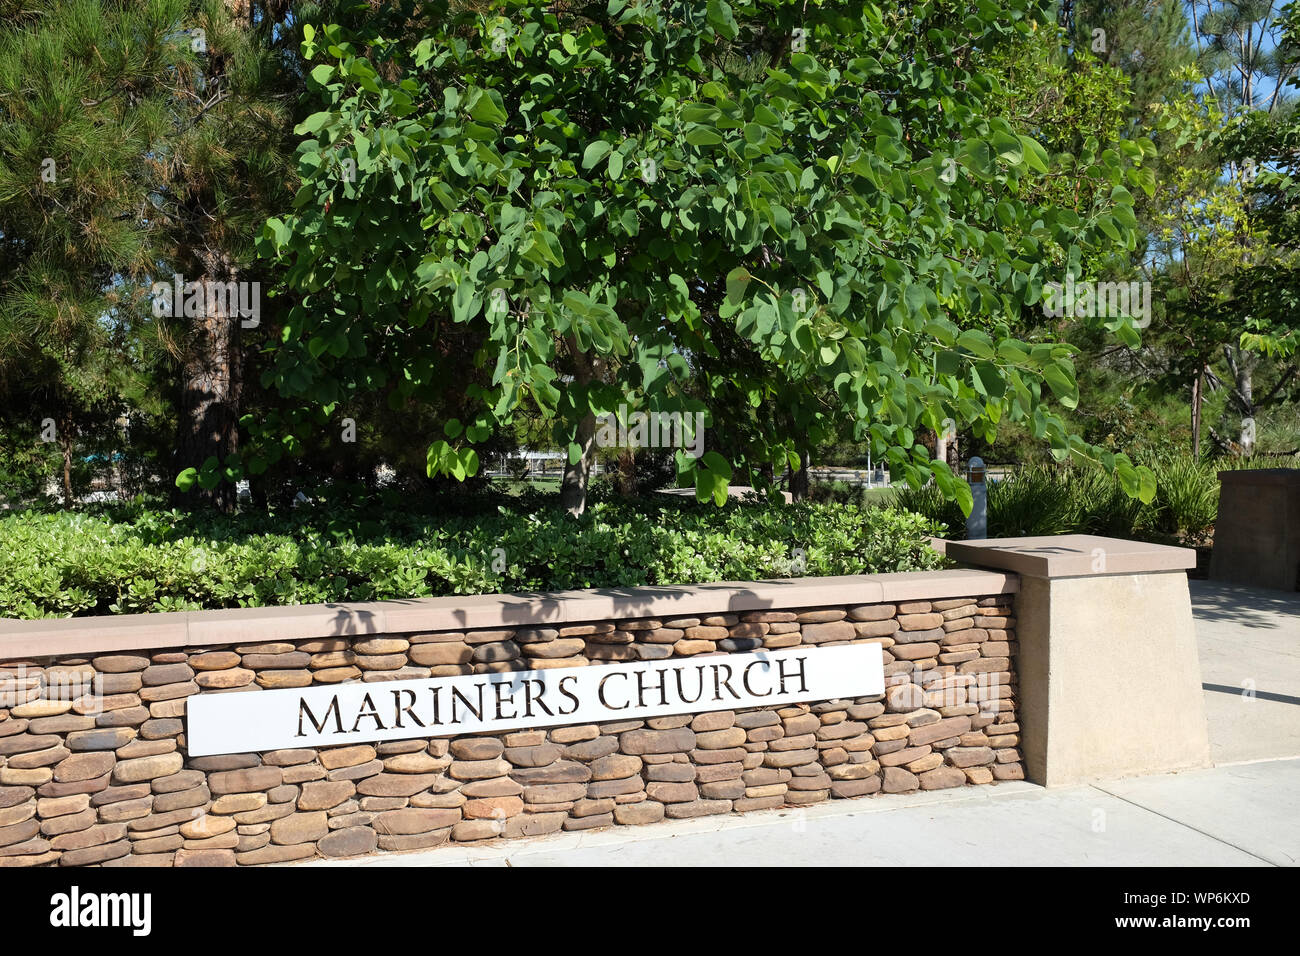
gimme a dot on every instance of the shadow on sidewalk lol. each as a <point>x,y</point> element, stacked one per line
<point>1244,605</point>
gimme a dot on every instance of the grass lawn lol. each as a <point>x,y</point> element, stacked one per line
<point>878,496</point>
<point>512,487</point>
<point>883,497</point>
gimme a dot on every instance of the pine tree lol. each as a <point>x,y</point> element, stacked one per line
<point>222,170</point>
<point>83,93</point>
<point>1247,65</point>
<point>1148,40</point>
<point>141,141</point>
<point>1240,53</point>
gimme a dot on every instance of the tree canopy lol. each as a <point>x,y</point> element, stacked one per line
<point>587,200</point>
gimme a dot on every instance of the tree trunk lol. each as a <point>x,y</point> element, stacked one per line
<point>1245,390</point>
<point>573,486</point>
<point>799,483</point>
<point>211,384</point>
<point>627,473</point>
<point>1196,415</point>
<point>65,444</point>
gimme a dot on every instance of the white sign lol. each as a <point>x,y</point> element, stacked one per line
<point>445,706</point>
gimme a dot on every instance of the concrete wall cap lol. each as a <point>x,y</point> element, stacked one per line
<point>1071,555</point>
<point>23,640</point>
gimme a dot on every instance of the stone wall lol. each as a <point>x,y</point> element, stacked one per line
<point>104,778</point>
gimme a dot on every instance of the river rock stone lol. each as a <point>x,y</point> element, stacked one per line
<point>396,784</point>
<point>84,766</point>
<point>347,756</point>
<point>147,768</point>
<point>325,794</point>
<point>496,808</point>
<point>639,742</point>
<point>348,841</point>
<point>299,828</point>
<point>898,780</point>
<point>245,781</point>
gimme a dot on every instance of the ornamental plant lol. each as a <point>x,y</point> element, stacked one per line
<point>587,202</point>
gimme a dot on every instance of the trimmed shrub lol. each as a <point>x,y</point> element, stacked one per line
<point>128,560</point>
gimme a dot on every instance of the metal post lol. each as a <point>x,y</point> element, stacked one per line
<point>977,525</point>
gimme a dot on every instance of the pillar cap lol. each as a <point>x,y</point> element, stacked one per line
<point>1070,555</point>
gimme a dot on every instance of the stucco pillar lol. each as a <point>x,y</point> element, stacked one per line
<point>1257,536</point>
<point>1110,682</point>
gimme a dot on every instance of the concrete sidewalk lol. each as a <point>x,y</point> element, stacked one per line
<point>1241,812</point>
<point>1226,816</point>
<point>1249,642</point>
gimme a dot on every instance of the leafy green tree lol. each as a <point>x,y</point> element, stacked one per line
<point>1265,145</point>
<point>597,200</point>
<point>1202,237</point>
<point>1218,300</point>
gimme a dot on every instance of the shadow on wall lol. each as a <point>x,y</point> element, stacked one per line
<point>547,607</point>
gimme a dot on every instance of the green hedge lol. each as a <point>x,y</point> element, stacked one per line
<point>132,560</point>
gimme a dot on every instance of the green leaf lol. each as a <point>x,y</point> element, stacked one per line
<point>737,283</point>
<point>721,19</point>
<point>210,473</point>
<point>1128,478</point>
<point>1146,484</point>
<point>700,113</point>
<point>965,497</point>
<point>549,245</point>
<point>703,136</point>
<point>717,464</point>
<point>720,491</point>
<point>977,342</point>
<point>1062,385</point>
<point>313,123</point>
<point>595,152</point>
<point>436,458</point>
<point>462,301</point>
<point>485,109</point>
